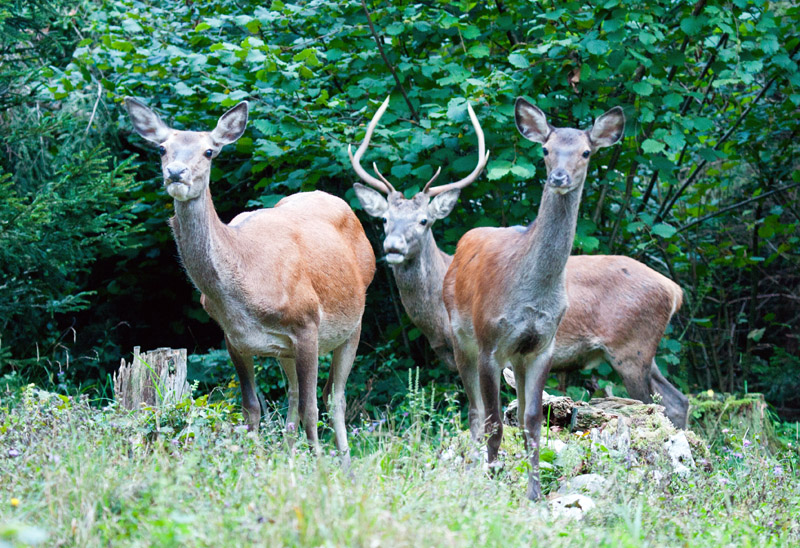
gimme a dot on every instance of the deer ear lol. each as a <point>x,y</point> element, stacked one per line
<point>442,204</point>
<point>372,201</point>
<point>608,129</point>
<point>531,121</point>
<point>231,125</point>
<point>146,122</point>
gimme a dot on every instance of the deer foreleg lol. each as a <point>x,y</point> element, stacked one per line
<point>251,407</point>
<point>535,379</point>
<point>490,391</point>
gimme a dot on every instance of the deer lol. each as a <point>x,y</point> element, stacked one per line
<point>287,282</point>
<point>505,290</point>
<point>618,307</point>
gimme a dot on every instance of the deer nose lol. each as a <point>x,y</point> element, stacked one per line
<point>395,244</point>
<point>174,172</point>
<point>559,177</point>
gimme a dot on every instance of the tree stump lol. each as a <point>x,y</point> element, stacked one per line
<point>155,378</point>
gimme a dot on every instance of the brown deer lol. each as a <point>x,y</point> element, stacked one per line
<point>505,290</point>
<point>287,282</point>
<point>618,311</point>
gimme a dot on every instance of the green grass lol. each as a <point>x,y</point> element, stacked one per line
<point>193,476</point>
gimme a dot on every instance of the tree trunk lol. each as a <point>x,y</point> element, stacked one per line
<point>152,379</point>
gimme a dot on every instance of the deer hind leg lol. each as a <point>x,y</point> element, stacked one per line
<point>251,407</point>
<point>674,401</point>
<point>633,365</point>
<point>468,371</point>
<point>518,366</point>
<point>535,375</point>
<point>289,367</point>
<point>489,372</point>
<point>342,362</point>
<point>307,364</point>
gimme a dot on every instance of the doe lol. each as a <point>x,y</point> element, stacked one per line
<point>505,289</point>
<point>287,282</point>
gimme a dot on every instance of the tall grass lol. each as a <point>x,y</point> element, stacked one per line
<point>193,476</point>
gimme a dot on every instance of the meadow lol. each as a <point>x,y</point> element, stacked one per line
<point>75,474</point>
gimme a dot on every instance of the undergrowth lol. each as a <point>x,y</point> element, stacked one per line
<point>191,475</point>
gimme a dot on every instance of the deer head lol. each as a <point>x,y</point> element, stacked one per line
<point>186,155</point>
<point>407,222</point>
<point>571,148</point>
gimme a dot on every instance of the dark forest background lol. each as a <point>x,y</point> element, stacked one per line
<point>705,187</point>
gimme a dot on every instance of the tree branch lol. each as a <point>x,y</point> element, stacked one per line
<point>704,218</point>
<point>388,64</point>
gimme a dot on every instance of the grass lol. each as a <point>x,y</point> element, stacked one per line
<point>75,475</point>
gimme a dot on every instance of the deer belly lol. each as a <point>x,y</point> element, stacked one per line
<point>261,341</point>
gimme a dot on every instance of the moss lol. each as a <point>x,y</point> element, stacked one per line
<point>720,418</point>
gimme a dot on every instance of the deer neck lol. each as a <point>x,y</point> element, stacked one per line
<point>200,236</point>
<point>549,239</point>
<point>419,281</point>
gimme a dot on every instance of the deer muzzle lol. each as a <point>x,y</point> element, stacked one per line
<point>560,181</point>
<point>395,249</point>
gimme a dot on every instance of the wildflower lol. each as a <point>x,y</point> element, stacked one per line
<point>725,430</point>
<point>778,471</point>
<point>13,453</point>
<point>746,443</point>
<point>14,502</point>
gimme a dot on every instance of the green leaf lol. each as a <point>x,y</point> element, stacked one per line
<point>597,47</point>
<point>182,89</point>
<point>395,29</point>
<point>664,230</point>
<point>642,88</point>
<point>518,60</point>
<point>478,51</point>
<point>498,169</point>
<point>524,169</point>
<point>651,146</point>
<point>693,25</point>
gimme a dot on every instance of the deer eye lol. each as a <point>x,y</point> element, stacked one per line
<point>423,222</point>
<point>209,153</point>
<point>586,153</point>
<point>544,151</point>
<point>162,150</point>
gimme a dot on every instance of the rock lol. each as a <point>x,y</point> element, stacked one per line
<point>556,445</point>
<point>679,451</point>
<point>571,506</point>
<point>593,484</point>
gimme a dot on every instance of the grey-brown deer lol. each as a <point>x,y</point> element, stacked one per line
<point>618,307</point>
<point>418,264</point>
<point>505,290</point>
<point>287,282</point>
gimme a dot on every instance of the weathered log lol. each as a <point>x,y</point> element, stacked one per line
<point>152,379</point>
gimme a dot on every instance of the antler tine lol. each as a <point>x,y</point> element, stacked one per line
<point>355,160</point>
<point>385,181</point>
<point>483,157</point>
<point>435,175</point>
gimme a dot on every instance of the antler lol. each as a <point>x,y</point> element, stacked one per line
<point>355,160</point>
<point>483,157</point>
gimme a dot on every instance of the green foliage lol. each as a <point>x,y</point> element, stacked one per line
<point>703,187</point>
<point>65,197</point>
